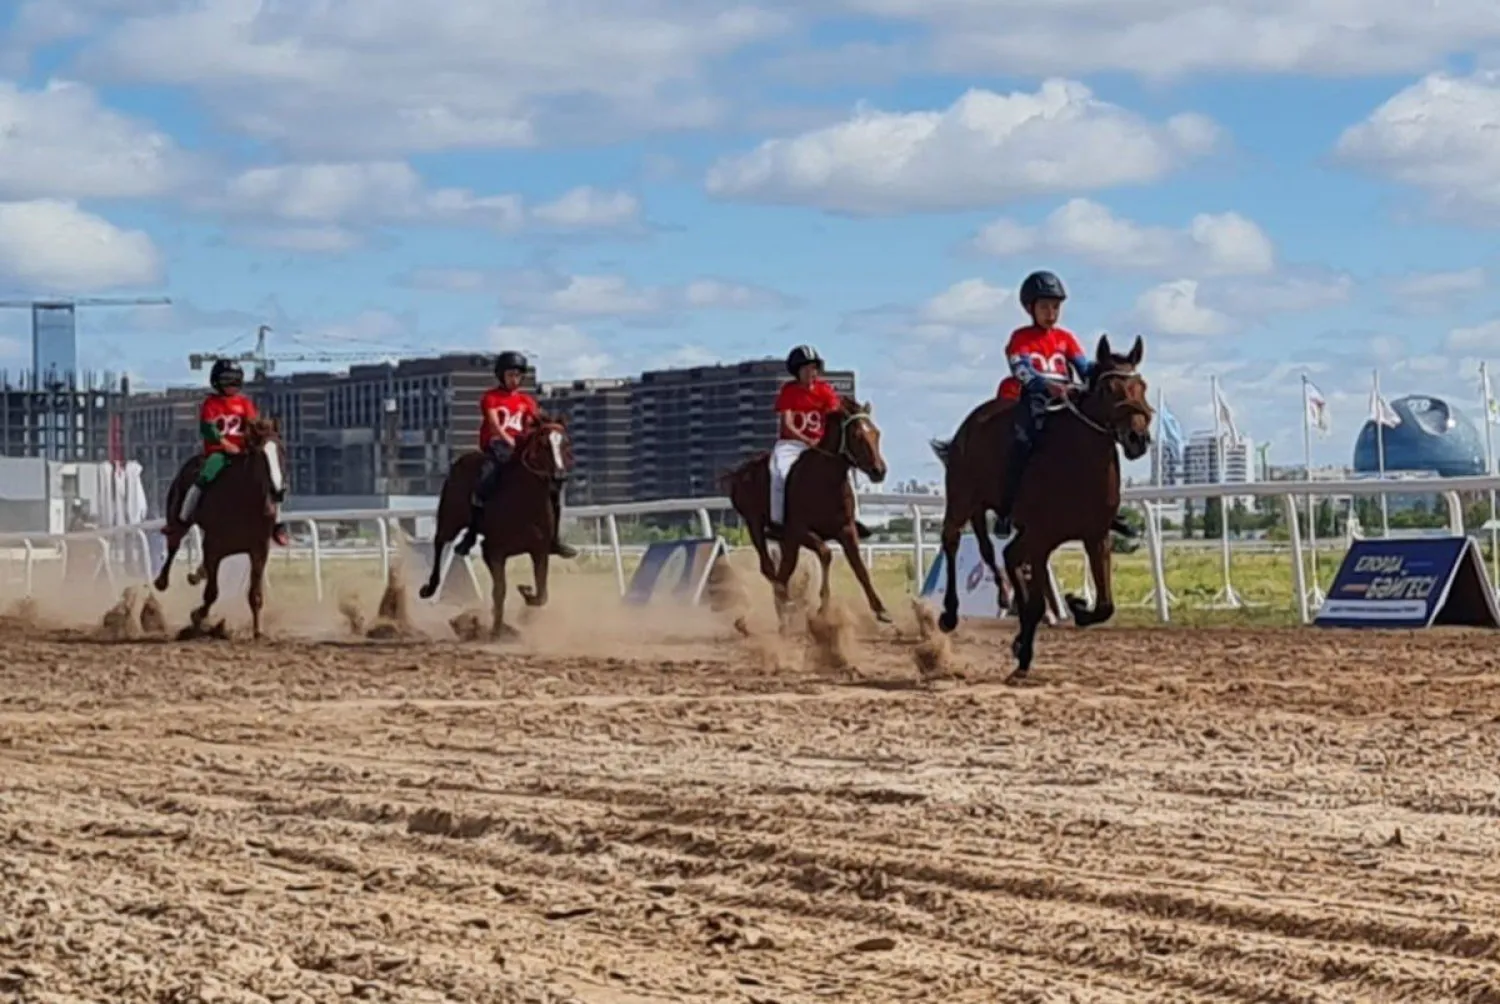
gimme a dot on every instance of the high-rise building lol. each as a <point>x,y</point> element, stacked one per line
<point>598,415</point>
<point>1200,462</point>
<point>54,344</point>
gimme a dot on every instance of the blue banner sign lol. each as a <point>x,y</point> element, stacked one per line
<point>1410,583</point>
<point>677,567</point>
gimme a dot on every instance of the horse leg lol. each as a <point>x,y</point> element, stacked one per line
<point>499,630</point>
<point>163,578</point>
<point>953,530</point>
<point>257,593</point>
<point>790,545</point>
<point>1100,550</point>
<point>825,563</point>
<point>1033,605</point>
<point>849,540</point>
<point>987,555</point>
<point>757,530</point>
<point>210,590</point>
<point>435,577</point>
<point>536,595</point>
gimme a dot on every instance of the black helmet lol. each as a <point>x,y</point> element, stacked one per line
<point>226,373</point>
<point>1041,286</point>
<point>800,357</point>
<point>506,361</point>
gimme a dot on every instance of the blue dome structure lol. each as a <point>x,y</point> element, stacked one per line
<point>1433,436</point>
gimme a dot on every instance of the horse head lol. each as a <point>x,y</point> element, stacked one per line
<point>263,437</point>
<point>548,451</point>
<point>1116,398</point>
<point>851,433</point>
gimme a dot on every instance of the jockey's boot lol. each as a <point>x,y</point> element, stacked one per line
<point>1123,528</point>
<point>280,535</point>
<point>471,532</point>
<point>1019,454</point>
<point>862,531</point>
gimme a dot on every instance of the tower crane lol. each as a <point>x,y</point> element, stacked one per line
<point>264,362</point>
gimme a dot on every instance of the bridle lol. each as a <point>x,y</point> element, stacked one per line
<point>551,434</point>
<point>847,422</point>
<point>1127,407</point>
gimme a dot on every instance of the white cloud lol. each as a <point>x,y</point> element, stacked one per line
<point>560,351</point>
<point>1440,135</point>
<point>1426,286</point>
<point>1211,243</point>
<point>386,191</point>
<point>969,303</point>
<point>548,295</point>
<point>588,208</point>
<point>59,142</point>
<point>350,78</point>
<point>1481,339</point>
<point>50,245</point>
<point>308,240</point>
<point>1172,308</point>
<point>1291,292</point>
<point>1167,38</point>
<point>985,149</point>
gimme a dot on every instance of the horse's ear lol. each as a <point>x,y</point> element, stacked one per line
<point>868,408</point>
<point>1137,351</point>
<point>1105,353</point>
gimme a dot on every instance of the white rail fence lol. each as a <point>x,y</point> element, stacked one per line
<point>114,551</point>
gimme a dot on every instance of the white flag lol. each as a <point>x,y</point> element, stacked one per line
<point>1382,412</point>
<point>1226,417</point>
<point>1317,408</point>
<point>1491,406</point>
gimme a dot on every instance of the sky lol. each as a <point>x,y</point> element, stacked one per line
<point>1260,189</point>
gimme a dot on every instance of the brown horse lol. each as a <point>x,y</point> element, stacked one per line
<point>237,515</point>
<point>520,519</point>
<point>1070,491</point>
<point>819,502</point>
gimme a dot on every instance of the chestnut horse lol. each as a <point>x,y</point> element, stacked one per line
<point>1070,491</point>
<point>820,503</point>
<point>521,517</point>
<point>237,515</point>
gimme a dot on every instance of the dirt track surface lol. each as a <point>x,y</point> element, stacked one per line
<point>1162,816</point>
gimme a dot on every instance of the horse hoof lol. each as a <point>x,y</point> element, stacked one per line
<point>1017,677</point>
<point>427,591</point>
<point>160,583</point>
<point>530,596</point>
<point>505,633</point>
<point>883,616</point>
<point>947,622</point>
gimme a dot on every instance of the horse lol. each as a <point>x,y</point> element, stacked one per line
<point>819,502</point>
<point>1078,461</point>
<point>521,518</point>
<point>237,515</point>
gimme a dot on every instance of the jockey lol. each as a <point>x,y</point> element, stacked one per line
<point>803,405</point>
<point>509,413</point>
<point>221,422</point>
<point>1041,356</point>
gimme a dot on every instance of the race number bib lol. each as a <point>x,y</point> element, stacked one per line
<point>229,425</point>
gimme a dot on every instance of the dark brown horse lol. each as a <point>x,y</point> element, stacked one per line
<point>237,515</point>
<point>1070,491</point>
<point>519,519</point>
<point>819,502</point>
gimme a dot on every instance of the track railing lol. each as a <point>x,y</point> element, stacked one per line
<point>111,547</point>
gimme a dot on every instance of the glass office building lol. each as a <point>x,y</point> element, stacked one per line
<point>54,344</point>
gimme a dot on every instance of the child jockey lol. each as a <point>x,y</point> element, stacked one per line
<point>221,422</point>
<point>803,405</point>
<point>1040,356</point>
<point>509,413</point>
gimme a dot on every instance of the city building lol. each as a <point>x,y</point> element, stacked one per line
<point>1433,437</point>
<point>691,425</point>
<point>599,419</point>
<point>71,420</point>
<point>1200,463</point>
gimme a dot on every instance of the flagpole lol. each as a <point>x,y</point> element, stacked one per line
<point>1489,462</point>
<point>1385,512</point>
<point>1161,403</point>
<point>1312,512</point>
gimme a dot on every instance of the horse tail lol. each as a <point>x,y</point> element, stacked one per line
<point>943,448</point>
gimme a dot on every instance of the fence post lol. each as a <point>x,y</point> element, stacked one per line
<point>614,545</point>
<point>317,556</point>
<point>1299,574</point>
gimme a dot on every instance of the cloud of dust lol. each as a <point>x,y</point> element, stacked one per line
<point>933,653</point>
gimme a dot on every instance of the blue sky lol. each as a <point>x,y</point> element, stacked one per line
<point>1259,188</point>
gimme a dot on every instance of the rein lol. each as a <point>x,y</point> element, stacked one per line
<point>1066,403</point>
<point>533,444</point>
<point>843,453</point>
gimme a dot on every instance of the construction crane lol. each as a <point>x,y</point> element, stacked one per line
<point>264,362</point>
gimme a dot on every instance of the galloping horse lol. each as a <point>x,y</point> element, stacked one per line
<point>1070,491</point>
<point>819,502</point>
<point>237,515</point>
<point>519,519</point>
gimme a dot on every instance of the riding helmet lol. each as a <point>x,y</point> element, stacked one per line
<point>1041,286</point>
<point>226,373</point>
<point>506,361</point>
<point>800,357</point>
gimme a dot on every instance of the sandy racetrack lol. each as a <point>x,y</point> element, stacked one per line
<point>1166,815</point>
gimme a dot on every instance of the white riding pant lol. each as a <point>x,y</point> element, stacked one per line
<point>783,455</point>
